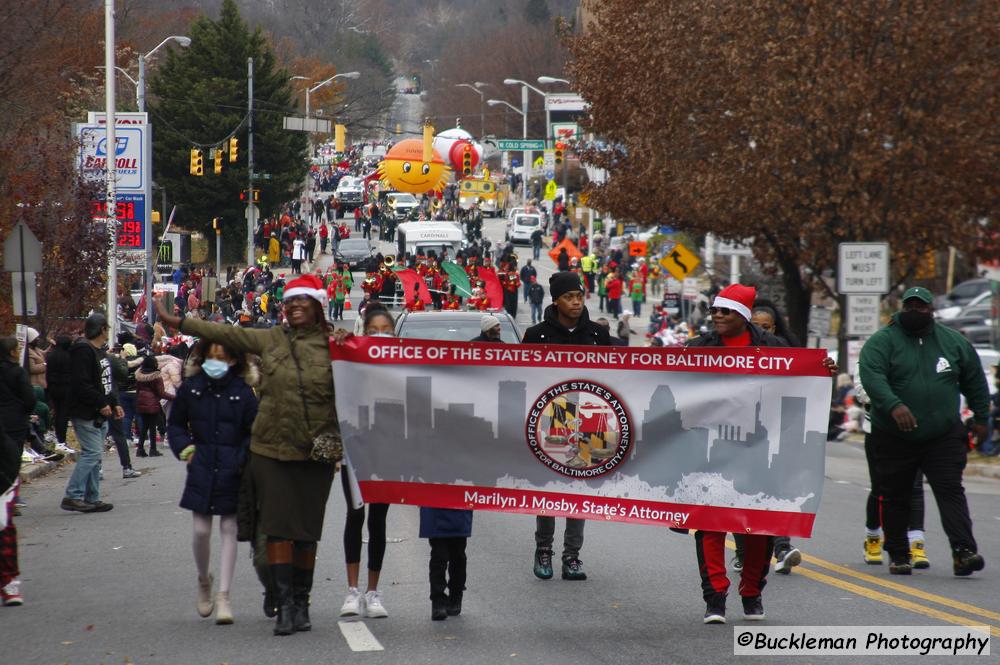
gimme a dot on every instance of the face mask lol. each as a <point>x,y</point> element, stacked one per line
<point>381,334</point>
<point>915,321</point>
<point>215,369</point>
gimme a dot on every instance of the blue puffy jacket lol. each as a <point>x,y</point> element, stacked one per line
<point>215,416</point>
<point>445,523</point>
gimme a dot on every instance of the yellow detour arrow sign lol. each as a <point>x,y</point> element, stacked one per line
<point>550,190</point>
<point>680,262</point>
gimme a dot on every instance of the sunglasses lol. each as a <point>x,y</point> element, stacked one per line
<point>724,311</point>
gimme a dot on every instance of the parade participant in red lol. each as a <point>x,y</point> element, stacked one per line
<point>731,312</point>
<point>452,303</point>
<point>511,286</point>
<point>614,287</point>
<point>324,238</point>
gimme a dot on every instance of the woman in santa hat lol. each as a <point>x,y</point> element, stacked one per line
<point>296,406</point>
<point>731,312</point>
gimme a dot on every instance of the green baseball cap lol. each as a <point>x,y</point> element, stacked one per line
<point>920,293</point>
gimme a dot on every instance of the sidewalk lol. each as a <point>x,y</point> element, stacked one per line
<point>972,468</point>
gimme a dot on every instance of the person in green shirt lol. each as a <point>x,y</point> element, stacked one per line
<point>914,371</point>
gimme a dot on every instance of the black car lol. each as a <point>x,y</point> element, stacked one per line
<point>453,325</point>
<point>357,253</point>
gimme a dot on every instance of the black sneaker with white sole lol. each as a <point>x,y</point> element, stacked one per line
<point>753,608</point>
<point>786,560</point>
<point>715,609</point>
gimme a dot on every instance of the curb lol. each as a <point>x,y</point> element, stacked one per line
<point>31,472</point>
<point>971,469</point>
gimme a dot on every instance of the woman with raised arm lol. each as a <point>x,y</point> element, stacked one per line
<point>294,441</point>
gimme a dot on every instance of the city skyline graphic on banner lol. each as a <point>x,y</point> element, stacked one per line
<point>738,456</point>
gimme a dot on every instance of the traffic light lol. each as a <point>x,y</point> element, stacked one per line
<point>559,154</point>
<point>243,195</point>
<point>467,160</point>
<point>197,162</point>
<point>339,137</point>
<point>216,225</point>
<point>234,146</point>
<point>218,161</point>
<point>256,196</point>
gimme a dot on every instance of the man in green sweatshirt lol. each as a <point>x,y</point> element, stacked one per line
<point>914,371</point>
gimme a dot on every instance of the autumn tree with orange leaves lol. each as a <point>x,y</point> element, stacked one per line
<point>800,125</point>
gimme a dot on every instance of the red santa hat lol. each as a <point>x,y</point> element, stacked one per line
<point>737,297</point>
<point>306,285</point>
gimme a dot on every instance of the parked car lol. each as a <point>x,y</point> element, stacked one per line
<point>971,315</point>
<point>963,293</point>
<point>357,253</point>
<point>952,311</point>
<point>453,326</point>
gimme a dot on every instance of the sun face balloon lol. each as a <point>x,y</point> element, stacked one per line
<point>404,170</point>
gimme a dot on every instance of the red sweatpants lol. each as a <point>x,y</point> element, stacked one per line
<point>711,549</point>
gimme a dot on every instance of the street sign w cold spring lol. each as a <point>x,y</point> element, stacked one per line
<point>520,144</point>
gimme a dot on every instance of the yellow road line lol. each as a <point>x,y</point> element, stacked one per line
<point>895,586</point>
<point>897,602</point>
<point>902,588</point>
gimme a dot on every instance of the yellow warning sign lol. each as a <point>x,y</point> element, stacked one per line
<point>550,190</point>
<point>680,261</point>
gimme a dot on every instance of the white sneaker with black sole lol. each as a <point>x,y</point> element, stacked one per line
<point>788,560</point>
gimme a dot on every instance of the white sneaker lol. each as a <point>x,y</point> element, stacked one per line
<point>63,448</point>
<point>374,609</point>
<point>352,603</point>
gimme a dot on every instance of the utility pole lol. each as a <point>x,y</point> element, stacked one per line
<point>251,209</point>
<point>526,155</point>
<point>111,153</point>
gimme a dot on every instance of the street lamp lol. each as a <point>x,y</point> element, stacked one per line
<point>525,86</point>
<point>548,80</point>
<point>525,154</point>
<point>140,100</point>
<point>474,87</point>
<point>309,91</point>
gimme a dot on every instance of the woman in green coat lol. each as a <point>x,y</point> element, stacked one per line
<point>296,405</point>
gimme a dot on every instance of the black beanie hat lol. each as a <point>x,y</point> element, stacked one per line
<point>564,282</point>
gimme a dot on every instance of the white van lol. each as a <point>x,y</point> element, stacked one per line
<point>522,226</point>
<point>423,237</point>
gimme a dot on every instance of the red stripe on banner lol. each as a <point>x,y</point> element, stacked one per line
<point>582,506</point>
<point>772,361</point>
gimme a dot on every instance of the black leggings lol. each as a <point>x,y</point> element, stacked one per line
<point>873,517</point>
<point>147,425</point>
<point>352,529</point>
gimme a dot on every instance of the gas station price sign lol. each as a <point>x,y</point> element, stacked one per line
<point>131,214</point>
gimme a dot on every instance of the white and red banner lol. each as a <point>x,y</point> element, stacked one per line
<point>700,438</point>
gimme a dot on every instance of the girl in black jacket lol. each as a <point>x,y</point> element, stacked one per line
<point>209,429</point>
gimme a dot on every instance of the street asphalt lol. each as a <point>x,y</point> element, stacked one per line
<point>119,587</point>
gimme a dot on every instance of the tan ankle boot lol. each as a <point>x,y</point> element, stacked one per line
<point>223,613</point>
<point>205,604</point>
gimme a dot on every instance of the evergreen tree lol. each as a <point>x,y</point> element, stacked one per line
<point>200,100</point>
<point>537,12</point>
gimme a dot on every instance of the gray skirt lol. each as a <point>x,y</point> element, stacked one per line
<point>291,497</point>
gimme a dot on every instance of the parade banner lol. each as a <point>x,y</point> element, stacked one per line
<point>720,439</point>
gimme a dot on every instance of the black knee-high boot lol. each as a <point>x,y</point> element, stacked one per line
<point>304,560</point>
<point>279,560</point>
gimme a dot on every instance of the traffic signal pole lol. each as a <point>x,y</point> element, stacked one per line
<point>251,209</point>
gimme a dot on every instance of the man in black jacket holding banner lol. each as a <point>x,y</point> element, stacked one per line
<point>566,321</point>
